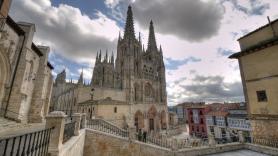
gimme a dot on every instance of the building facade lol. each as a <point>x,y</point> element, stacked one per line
<point>129,90</point>
<point>258,67</point>
<point>197,120</point>
<point>25,79</point>
<point>238,121</point>
<point>226,121</point>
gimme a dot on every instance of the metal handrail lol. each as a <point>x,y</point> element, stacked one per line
<point>35,143</point>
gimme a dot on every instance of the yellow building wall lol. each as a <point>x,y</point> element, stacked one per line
<point>260,69</point>
<point>260,64</point>
<point>271,88</point>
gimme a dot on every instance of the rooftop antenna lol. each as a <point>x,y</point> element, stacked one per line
<point>269,22</point>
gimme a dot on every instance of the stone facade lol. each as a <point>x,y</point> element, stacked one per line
<point>258,65</point>
<point>129,90</point>
<point>25,80</point>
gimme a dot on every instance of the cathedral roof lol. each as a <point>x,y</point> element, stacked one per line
<point>106,101</point>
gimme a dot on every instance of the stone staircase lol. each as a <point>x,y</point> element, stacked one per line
<point>107,127</point>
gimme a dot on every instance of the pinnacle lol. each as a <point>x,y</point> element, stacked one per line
<point>151,42</point>
<point>129,26</point>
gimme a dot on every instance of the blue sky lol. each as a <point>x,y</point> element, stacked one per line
<point>196,36</point>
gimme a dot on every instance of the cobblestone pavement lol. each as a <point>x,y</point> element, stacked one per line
<point>240,153</point>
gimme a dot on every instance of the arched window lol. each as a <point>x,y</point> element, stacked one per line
<point>148,90</point>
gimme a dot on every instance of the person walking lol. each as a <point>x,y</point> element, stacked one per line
<point>140,135</point>
<point>144,136</point>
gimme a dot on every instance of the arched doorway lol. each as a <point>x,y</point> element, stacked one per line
<point>5,73</point>
<point>139,120</point>
<point>151,117</point>
<point>163,120</point>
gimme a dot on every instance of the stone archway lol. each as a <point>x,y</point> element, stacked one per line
<point>139,120</point>
<point>163,119</point>
<point>152,113</point>
<point>5,73</point>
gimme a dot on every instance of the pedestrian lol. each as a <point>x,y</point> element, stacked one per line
<point>140,135</point>
<point>144,136</point>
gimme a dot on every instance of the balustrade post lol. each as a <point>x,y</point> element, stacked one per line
<point>174,144</point>
<point>77,119</point>
<point>241,137</point>
<point>83,120</point>
<point>132,133</point>
<point>56,119</point>
<point>211,140</point>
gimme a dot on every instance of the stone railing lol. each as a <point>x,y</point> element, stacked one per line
<point>62,131</point>
<point>107,127</point>
<point>265,142</point>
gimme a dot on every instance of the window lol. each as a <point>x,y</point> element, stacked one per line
<point>261,96</point>
<point>115,109</point>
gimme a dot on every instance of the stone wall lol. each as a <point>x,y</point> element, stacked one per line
<point>101,144</point>
<point>210,150</point>
<point>74,146</point>
<point>261,149</point>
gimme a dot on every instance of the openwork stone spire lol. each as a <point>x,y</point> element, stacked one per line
<point>151,42</point>
<point>81,80</point>
<point>129,26</point>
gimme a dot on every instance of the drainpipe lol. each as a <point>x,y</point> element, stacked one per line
<point>14,74</point>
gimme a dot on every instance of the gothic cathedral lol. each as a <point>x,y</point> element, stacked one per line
<point>130,90</point>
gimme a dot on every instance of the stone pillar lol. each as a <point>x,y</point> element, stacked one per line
<point>77,119</point>
<point>56,119</point>
<point>132,133</point>
<point>211,140</point>
<point>146,124</point>
<point>83,120</point>
<point>228,135</point>
<point>241,137</point>
<point>175,144</point>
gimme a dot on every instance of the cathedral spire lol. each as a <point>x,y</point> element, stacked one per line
<point>81,80</point>
<point>129,26</point>
<point>106,57</point>
<point>112,58</point>
<point>120,37</point>
<point>139,37</point>
<point>99,57</point>
<point>96,57</point>
<point>151,42</point>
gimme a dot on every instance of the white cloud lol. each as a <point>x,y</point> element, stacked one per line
<point>66,29</point>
